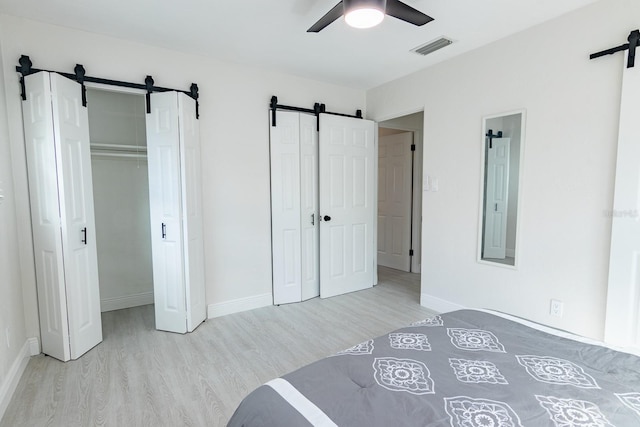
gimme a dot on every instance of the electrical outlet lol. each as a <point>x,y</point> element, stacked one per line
<point>557,308</point>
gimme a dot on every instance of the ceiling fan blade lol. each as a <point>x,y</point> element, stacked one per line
<point>399,10</point>
<point>327,19</point>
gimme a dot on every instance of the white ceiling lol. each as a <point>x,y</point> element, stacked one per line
<point>272,34</point>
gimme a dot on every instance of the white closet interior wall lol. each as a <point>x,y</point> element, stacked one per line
<point>121,198</point>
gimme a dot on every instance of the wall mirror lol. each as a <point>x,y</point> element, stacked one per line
<point>502,147</point>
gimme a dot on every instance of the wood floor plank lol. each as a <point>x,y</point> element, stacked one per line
<point>142,377</point>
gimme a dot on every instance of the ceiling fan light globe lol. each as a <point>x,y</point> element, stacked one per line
<point>364,17</point>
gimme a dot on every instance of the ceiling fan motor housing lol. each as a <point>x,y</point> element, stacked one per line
<point>350,5</point>
<point>369,13</point>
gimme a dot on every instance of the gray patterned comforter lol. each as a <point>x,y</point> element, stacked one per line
<point>462,369</point>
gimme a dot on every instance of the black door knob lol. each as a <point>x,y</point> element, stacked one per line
<point>327,218</point>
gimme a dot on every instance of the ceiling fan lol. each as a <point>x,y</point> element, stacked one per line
<point>368,13</point>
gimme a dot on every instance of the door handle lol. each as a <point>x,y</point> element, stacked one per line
<point>495,208</point>
<point>327,218</point>
<point>313,219</point>
<point>84,235</point>
<point>164,230</point>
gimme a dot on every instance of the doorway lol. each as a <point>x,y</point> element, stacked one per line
<point>121,198</point>
<point>399,195</point>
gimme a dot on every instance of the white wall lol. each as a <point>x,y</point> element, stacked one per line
<point>12,326</point>
<point>121,200</point>
<point>572,107</point>
<point>234,135</point>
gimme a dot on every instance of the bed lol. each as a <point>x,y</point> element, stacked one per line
<point>467,368</point>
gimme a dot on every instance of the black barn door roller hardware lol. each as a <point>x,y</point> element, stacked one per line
<point>633,43</point>
<point>26,68</point>
<point>316,110</point>
<point>492,135</point>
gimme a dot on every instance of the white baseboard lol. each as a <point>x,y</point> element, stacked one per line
<point>8,386</point>
<point>238,305</point>
<point>127,301</point>
<point>438,305</point>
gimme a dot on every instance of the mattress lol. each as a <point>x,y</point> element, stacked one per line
<point>467,368</point>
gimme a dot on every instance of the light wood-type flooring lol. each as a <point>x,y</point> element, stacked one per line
<point>142,377</point>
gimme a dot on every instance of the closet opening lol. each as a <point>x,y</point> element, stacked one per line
<point>119,167</point>
<point>135,195</point>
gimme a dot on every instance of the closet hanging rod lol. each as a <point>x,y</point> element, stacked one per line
<point>118,147</point>
<point>26,68</point>
<point>316,110</point>
<point>111,154</point>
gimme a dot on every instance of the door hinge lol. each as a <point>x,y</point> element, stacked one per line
<point>410,252</point>
<point>413,147</point>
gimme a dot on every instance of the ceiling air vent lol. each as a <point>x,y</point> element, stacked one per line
<point>431,47</point>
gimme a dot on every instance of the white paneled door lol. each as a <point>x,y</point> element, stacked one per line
<point>59,167</point>
<point>394,200</point>
<point>285,208</point>
<point>175,209</point>
<point>497,192</point>
<point>309,226</point>
<point>622,326</point>
<point>294,207</point>
<point>192,225</point>
<point>347,204</point>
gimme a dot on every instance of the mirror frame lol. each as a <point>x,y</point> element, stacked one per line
<point>483,145</point>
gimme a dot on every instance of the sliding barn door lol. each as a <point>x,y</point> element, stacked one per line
<point>309,227</point>
<point>174,204</point>
<point>71,124</point>
<point>294,207</point>
<point>347,204</point>
<point>285,208</point>
<point>61,193</point>
<point>622,326</point>
<point>191,179</point>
